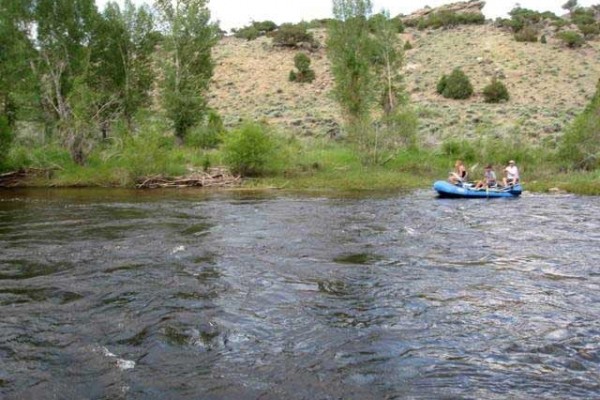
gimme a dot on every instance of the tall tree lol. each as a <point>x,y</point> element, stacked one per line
<point>17,84</point>
<point>388,59</point>
<point>189,38</point>
<point>64,34</point>
<point>349,48</point>
<point>121,67</point>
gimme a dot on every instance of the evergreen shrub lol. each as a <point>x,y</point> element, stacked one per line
<point>495,92</point>
<point>529,33</point>
<point>304,74</point>
<point>455,86</point>
<point>290,35</point>
<point>571,38</point>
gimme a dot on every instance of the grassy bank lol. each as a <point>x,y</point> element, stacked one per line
<point>303,164</point>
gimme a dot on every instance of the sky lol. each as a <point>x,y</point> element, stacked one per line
<point>238,13</point>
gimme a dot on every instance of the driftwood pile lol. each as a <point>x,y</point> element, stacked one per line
<point>17,178</point>
<point>213,177</point>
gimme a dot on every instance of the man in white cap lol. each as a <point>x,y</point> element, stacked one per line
<point>511,174</point>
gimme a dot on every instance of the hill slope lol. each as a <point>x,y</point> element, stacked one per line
<point>548,84</point>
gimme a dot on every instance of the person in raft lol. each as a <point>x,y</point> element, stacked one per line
<point>489,178</point>
<point>459,175</point>
<point>511,174</point>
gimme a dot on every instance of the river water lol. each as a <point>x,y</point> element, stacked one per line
<point>109,294</point>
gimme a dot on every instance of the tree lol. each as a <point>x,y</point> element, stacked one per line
<point>388,58</point>
<point>64,31</point>
<point>570,6</point>
<point>18,88</point>
<point>349,48</point>
<point>188,65</point>
<point>121,67</point>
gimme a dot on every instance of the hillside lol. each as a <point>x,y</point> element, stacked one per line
<point>548,84</point>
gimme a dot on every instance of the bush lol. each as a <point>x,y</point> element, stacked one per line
<point>571,39</point>
<point>290,35</point>
<point>248,149</point>
<point>459,149</point>
<point>580,146</point>
<point>255,30</point>
<point>408,45</point>
<point>446,19</point>
<point>376,20</point>
<point>304,74</point>
<point>248,33</point>
<point>495,92</point>
<point>6,138</point>
<point>455,86</point>
<point>529,33</point>
<point>543,39</point>
<point>208,134</point>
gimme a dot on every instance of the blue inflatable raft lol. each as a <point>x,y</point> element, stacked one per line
<point>467,190</point>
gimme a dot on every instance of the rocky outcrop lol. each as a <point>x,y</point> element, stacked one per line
<point>463,7</point>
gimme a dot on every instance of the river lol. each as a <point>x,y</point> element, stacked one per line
<point>114,294</point>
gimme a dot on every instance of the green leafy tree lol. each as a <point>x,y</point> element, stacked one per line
<point>18,88</point>
<point>350,49</point>
<point>387,59</point>
<point>570,6</point>
<point>188,69</point>
<point>121,66</point>
<point>64,31</point>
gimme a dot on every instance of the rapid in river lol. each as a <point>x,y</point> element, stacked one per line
<point>110,294</point>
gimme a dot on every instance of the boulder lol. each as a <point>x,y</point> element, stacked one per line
<point>462,7</point>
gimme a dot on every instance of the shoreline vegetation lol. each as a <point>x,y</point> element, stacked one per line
<point>323,166</point>
<point>113,98</point>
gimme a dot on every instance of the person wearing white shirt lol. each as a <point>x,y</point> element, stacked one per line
<point>511,173</point>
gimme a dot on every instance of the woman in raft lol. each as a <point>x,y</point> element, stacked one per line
<point>459,175</point>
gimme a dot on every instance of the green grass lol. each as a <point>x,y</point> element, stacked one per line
<point>303,164</point>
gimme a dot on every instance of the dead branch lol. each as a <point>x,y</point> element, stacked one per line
<point>213,177</point>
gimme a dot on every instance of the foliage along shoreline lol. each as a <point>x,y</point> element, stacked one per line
<point>122,95</point>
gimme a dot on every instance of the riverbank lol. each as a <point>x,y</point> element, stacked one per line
<point>327,167</point>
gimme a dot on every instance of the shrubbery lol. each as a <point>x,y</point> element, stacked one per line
<point>529,33</point>
<point>455,86</point>
<point>571,38</point>
<point>304,74</point>
<point>255,30</point>
<point>376,21</point>
<point>290,35</point>
<point>495,92</point>
<point>447,19</point>
<point>248,150</point>
<point>208,134</point>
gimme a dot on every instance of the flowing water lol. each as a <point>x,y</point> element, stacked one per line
<point>108,294</point>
